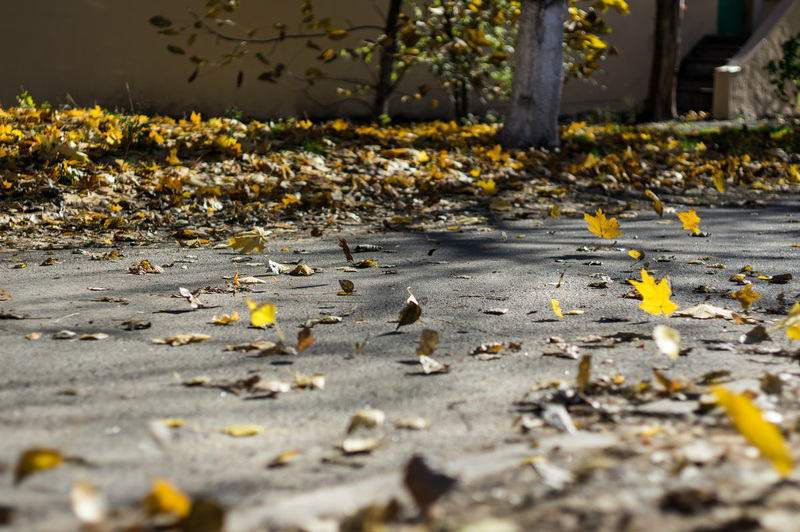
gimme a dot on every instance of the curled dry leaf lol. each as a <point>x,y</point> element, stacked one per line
<point>64,335</point>
<point>94,336</point>
<point>346,249</point>
<point>584,373</point>
<point>250,280</point>
<point>190,297</point>
<point>225,319</point>
<point>34,460</point>
<point>348,287</point>
<point>704,311</point>
<point>284,459</point>
<point>164,498</point>
<point>368,418</point>
<point>359,445</point>
<point>304,339</point>
<point>89,504</point>
<point>182,339</point>
<point>302,270</point>
<point>657,205</point>
<point>144,268</point>
<point>431,366</point>
<point>33,335</point>
<point>410,313</point>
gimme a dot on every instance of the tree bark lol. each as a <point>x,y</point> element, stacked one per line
<point>661,95</point>
<point>532,118</point>
<point>388,56</point>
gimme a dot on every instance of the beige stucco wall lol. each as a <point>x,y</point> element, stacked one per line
<point>90,49</point>
<point>622,83</point>
<point>751,94</point>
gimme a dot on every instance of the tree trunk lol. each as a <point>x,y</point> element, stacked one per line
<point>660,103</point>
<point>532,118</point>
<point>389,47</point>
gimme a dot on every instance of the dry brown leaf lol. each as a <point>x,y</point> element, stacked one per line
<point>302,270</point>
<point>247,241</point>
<point>346,249</point>
<point>304,339</point>
<point>428,341</point>
<point>182,339</point>
<point>368,418</point>
<point>89,504</point>
<point>359,445</point>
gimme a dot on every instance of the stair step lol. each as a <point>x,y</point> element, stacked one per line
<point>696,76</point>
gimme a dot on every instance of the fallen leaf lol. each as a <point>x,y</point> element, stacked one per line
<point>144,268</point>
<point>284,458</point>
<point>5,296</point>
<point>689,220</point>
<point>410,313</point>
<point>638,255</point>
<point>95,336</point>
<point>657,205</point>
<point>89,504</point>
<point>430,365</point>
<point>425,483</point>
<point>304,339</point>
<point>557,308</point>
<point>348,287</point>
<point>346,249</point>
<point>367,263</point>
<point>181,339</point>
<point>309,382</point>
<point>164,498</point>
<point>302,270</point>
<point>413,423</point>
<point>64,335</point>
<point>759,432</point>
<point>247,241</point>
<point>240,431</point>
<point>704,311</point>
<point>225,319</point>
<point>655,296</point>
<point>601,227</point>
<point>33,335</point>
<point>746,296</point>
<point>668,341</point>
<point>428,341</point>
<point>251,346</point>
<point>554,211</point>
<point>34,460</point>
<point>359,445</point>
<point>190,297</point>
<point>248,280</point>
<point>261,316</point>
<point>719,181</point>
<point>584,373</point>
<point>368,418</point>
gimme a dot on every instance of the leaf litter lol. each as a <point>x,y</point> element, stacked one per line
<point>197,197</point>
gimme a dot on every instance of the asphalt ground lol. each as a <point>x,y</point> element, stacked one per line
<point>104,401</point>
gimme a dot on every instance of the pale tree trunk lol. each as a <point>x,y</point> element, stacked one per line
<point>660,103</point>
<point>532,118</point>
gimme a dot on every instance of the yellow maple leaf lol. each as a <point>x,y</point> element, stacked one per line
<point>602,227</point>
<point>487,187</point>
<point>164,498</point>
<point>655,296</point>
<point>760,433</point>
<point>34,460</point>
<point>719,181</point>
<point>557,308</point>
<point>247,241</point>
<point>690,220</point>
<point>261,316</point>
<point>746,296</point>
